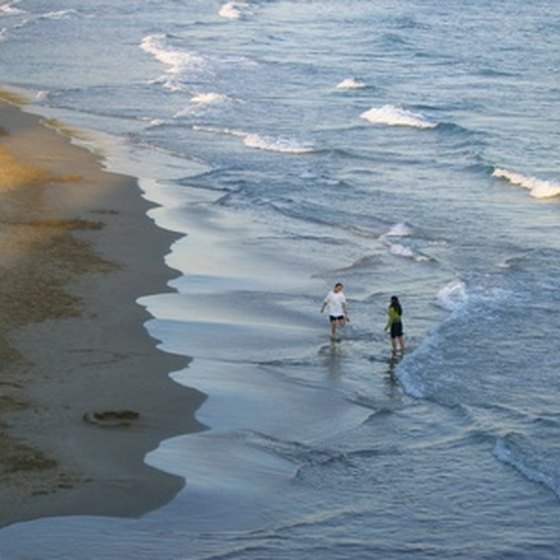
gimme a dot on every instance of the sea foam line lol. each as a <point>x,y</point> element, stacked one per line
<point>179,63</point>
<point>538,188</point>
<point>202,101</point>
<point>59,14</point>
<point>393,115</point>
<point>283,144</point>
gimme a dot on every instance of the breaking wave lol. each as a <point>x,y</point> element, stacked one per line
<point>234,9</point>
<point>393,240</point>
<point>538,188</point>
<point>396,116</point>
<point>351,83</point>
<point>283,144</point>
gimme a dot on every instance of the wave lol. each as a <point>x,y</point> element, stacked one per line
<point>398,248</point>
<point>399,230</point>
<point>179,63</point>
<point>537,464</point>
<point>393,115</point>
<point>455,295</point>
<point>282,144</point>
<point>351,83</point>
<point>234,9</point>
<point>452,295</point>
<point>361,263</point>
<point>42,95</point>
<point>58,14</point>
<point>538,188</point>
<point>203,101</point>
<point>10,9</point>
<point>209,98</point>
<point>433,370</point>
<point>184,66</point>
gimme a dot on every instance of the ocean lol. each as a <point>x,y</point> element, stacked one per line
<point>400,147</point>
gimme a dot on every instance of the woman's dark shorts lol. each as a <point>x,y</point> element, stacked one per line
<point>396,329</point>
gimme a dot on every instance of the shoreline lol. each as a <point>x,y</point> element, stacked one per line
<point>84,392</point>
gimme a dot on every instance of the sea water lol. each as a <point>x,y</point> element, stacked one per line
<point>401,147</point>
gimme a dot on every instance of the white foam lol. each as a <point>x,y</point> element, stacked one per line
<point>202,101</point>
<point>233,9</point>
<point>156,122</point>
<point>183,66</point>
<point>283,144</point>
<point>3,33</point>
<point>179,63</point>
<point>42,95</point>
<point>397,248</point>
<point>218,130</point>
<point>402,251</point>
<point>399,230</point>
<point>538,188</point>
<point>396,116</point>
<point>59,14</point>
<point>209,98</point>
<point>351,83</point>
<point>9,9</point>
<point>453,295</point>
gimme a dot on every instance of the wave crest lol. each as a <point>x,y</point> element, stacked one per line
<point>538,188</point>
<point>537,464</point>
<point>283,144</point>
<point>452,295</point>
<point>277,144</point>
<point>179,63</point>
<point>351,83</point>
<point>396,116</point>
<point>398,247</point>
<point>10,9</point>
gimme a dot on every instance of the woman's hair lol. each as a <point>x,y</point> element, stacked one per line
<point>395,304</point>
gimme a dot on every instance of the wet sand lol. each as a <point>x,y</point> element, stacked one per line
<point>84,392</point>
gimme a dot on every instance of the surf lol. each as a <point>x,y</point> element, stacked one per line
<point>538,188</point>
<point>393,115</point>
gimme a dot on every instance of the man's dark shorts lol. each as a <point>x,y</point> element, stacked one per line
<point>337,318</point>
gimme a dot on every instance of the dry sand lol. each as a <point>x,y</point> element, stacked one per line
<point>84,392</point>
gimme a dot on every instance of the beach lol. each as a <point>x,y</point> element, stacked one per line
<point>84,391</point>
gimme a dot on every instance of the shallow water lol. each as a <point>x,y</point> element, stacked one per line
<point>404,148</point>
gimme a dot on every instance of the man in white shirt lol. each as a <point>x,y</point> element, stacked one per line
<point>338,309</point>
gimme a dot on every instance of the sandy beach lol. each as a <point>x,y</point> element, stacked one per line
<point>84,392</point>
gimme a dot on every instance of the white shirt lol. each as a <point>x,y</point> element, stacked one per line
<point>335,303</point>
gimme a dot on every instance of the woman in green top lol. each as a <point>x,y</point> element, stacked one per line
<point>394,323</point>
